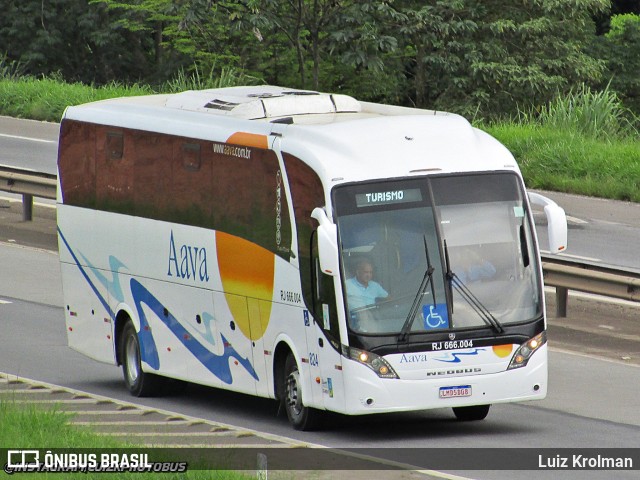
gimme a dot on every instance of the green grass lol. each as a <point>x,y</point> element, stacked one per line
<point>564,161</point>
<point>596,114</point>
<point>46,98</point>
<point>24,426</point>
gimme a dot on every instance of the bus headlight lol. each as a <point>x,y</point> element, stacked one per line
<point>523,354</point>
<point>375,362</point>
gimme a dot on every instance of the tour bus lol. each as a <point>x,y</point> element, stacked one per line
<point>328,253</point>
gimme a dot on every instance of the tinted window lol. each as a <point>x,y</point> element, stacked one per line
<point>194,182</point>
<point>306,194</point>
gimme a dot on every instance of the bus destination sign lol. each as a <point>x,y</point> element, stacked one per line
<point>388,197</point>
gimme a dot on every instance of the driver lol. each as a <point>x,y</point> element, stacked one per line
<point>362,290</point>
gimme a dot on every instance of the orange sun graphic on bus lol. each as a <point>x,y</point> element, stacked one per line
<point>502,351</point>
<point>247,272</point>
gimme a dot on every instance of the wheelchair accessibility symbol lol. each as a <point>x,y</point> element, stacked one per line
<point>435,316</point>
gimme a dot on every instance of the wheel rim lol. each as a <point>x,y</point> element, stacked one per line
<point>294,400</point>
<point>131,353</point>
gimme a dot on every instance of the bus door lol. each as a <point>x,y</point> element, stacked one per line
<point>323,339</point>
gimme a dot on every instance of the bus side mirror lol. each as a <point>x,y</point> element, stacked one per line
<point>556,222</point>
<point>327,243</point>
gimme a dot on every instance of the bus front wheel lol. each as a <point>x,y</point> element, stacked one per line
<point>300,417</point>
<point>467,414</point>
<point>139,383</point>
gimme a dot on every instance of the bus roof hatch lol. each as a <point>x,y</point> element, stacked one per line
<point>262,102</point>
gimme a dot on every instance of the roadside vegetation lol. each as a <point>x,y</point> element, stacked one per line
<point>46,98</point>
<point>584,143</point>
<point>25,426</point>
<point>557,82</point>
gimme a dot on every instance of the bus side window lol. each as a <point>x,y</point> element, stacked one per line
<point>115,145</point>
<point>191,160</point>
<point>324,297</point>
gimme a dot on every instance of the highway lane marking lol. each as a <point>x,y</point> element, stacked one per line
<point>230,430</point>
<point>31,139</point>
<point>580,257</point>
<point>596,297</point>
<point>594,356</point>
<point>576,220</point>
<point>577,257</point>
<point>19,200</point>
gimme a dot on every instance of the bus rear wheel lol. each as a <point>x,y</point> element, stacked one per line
<point>467,414</point>
<point>139,383</point>
<point>300,417</point>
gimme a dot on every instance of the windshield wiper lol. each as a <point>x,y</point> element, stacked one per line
<point>473,301</point>
<point>426,280</point>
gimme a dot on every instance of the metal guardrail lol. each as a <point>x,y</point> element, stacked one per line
<point>567,275</point>
<point>559,272</point>
<point>29,184</point>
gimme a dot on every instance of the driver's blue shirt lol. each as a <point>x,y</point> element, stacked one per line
<point>360,296</point>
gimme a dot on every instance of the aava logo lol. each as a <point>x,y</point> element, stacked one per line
<point>188,262</point>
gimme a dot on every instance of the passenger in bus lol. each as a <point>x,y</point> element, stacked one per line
<point>470,267</point>
<point>362,290</point>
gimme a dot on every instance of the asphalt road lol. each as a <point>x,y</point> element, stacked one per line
<point>29,144</point>
<point>593,399</point>
<point>600,230</point>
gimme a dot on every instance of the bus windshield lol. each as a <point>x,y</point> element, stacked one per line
<point>444,253</point>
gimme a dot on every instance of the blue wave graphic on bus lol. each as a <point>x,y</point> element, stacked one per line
<point>113,284</point>
<point>207,318</point>
<point>216,364</point>
<point>102,300</point>
<point>456,356</point>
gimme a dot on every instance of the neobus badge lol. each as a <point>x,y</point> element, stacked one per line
<point>390,197</point>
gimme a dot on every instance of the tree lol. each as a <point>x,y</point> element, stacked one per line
<point>435,42</point>
<point>620,48</point>
<point>187,34</point>
<point>491,56</point>
<point>71,38</point>
<point>529,51</point>
<point>469,56</point>
<point>303,24</point>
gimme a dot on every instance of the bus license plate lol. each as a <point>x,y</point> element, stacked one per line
<point>454,392</point>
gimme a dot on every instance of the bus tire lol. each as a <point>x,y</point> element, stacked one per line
<point>467,414</point>
<point>300,417</point>
<point>139,383</point>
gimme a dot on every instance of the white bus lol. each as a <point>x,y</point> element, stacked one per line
<point>332,254</point>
